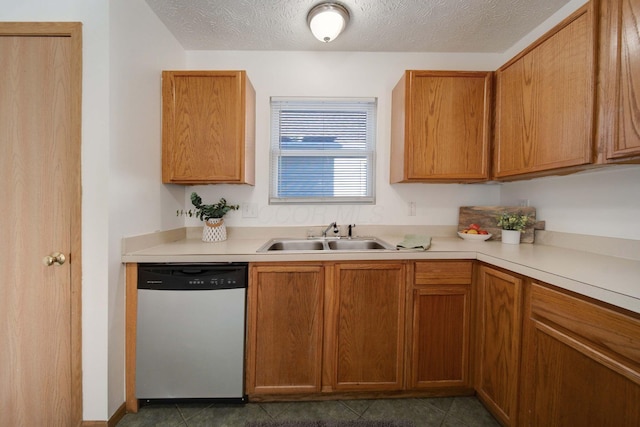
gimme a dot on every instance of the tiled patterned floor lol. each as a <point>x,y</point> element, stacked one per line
<point>441,412</point>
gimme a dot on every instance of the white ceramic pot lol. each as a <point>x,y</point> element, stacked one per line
<point>511,237</point>
<point>214,230</point>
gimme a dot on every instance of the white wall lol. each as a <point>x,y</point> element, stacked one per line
<point>603,202</point>
<point>140,47</point>
<point>346,74</point>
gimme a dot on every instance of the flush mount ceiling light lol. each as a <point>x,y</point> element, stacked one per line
<point>327,20</point>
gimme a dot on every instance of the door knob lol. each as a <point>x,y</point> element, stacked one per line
<point>54,258</point>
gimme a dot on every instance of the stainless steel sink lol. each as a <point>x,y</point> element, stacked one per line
<point>292,245</point>
<point>300,245</point>
<point>359,245</point>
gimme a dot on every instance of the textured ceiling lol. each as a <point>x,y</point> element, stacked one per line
<point>375,26</point>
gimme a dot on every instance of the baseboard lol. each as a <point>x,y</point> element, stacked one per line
<point>113,421</point>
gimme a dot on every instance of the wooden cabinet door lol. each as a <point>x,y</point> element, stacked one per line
<point>208,131</point>
<point>284,344</point>
<point>440,338</point>
<point>545,101</point>
<point>439,322</point>
<point>581,363</point>
<point>619,128</point>
<point>441,126</point>
<point>498,339</point>
<point>365,329</point>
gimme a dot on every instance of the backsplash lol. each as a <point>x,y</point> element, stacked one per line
<point>610,246</point>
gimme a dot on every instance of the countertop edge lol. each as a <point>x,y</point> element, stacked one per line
<point>584,273</point>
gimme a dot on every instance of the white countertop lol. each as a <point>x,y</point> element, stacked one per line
<point>610,279</point>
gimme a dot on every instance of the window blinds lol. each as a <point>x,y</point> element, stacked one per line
<point>322,150</point>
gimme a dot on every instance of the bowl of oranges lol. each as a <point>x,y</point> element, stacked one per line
<point>474,232</point>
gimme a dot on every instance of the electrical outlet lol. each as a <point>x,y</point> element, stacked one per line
<point>523,202</point>
<point>249,210</point>
<point>412,208</point>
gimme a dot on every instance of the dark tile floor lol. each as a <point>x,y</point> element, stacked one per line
<point>442,412</point>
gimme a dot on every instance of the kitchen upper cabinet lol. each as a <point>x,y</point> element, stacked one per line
<point>498,335</point>
<point>581,362</point>
<point>208,127</point>
<point>618,82</point>
<point>545,103</point>
<point>284,330</point>
<point>364,332</point>
<point>440,126</point>
<point>440,325</point>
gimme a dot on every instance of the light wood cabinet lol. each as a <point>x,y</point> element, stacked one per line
<point>364,332</point>
<point>618,130</point>
<point>499,328</point>
<point>208,127</point>
<point>439,317</point>
<point>581,362</point>
<point>440,126</point>
<point>545,99</point>
<point>285,328</point>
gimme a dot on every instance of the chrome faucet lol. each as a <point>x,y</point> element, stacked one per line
<point>332,225</point>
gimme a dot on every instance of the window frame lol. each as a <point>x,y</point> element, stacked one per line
<point>368,105</point>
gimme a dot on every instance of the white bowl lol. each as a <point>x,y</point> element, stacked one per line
<point>477,237</point>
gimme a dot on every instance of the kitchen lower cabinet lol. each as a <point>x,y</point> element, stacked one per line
<point>498,335</point>
<point>364,326</point>
<point>284,330</point>
<point>581,362</point>
<point>534,354</point>
<point>439,319</point>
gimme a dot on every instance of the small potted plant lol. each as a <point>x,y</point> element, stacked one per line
<point>512,224</point>
<point>214,228</point>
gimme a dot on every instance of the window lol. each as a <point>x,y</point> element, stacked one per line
<point>322,150</point>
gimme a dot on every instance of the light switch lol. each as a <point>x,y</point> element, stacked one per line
<point>249,210</point>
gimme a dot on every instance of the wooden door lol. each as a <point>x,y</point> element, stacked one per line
<point>40,98</point>
<point>365,333</point>
<point>498,336</point>
<point>284,344</point>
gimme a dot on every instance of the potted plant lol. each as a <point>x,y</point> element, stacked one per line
<point>214,228</point>
<point>512,224</point>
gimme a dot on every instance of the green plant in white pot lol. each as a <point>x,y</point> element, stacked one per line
<point>214,228</point>
<point>512,224</point>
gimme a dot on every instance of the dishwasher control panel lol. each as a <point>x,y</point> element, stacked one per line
<point>192,276</point>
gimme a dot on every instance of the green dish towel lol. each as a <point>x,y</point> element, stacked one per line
<point>415,241</point>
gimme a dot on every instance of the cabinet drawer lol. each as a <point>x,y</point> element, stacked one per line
<point>443,272</point>
<point>601,333</point>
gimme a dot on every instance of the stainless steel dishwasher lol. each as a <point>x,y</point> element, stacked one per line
<point>191,331</point>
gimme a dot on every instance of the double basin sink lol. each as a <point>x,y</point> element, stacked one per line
<point>328,244</point>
